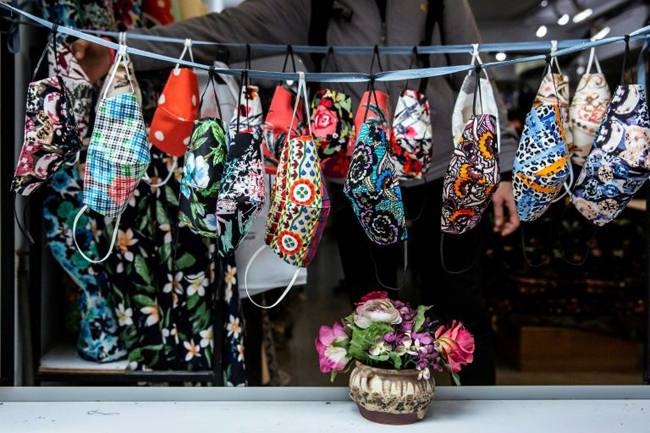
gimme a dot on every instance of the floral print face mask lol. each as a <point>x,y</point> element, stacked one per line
<point>51,136</point>
<point>118,157</point>
<point>178,107</point>
<point>411,139</point>
<point>588,109</point>
<point>619,163</point>
<point>241,193</point>
<point>473,173</point>
<point>541,165</point>
<point>331,123</point>
<point>204,165</point>
<point>372,186</point>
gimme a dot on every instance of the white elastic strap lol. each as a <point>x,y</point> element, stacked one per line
<point>302,86</point>
<point>76,160</point>
<point>187,49</point>
<point>286,290</point>
<point>554,57</point>
<point>120,57</point>
<point>147,179</point>
<point>566,185</point>
<point>592,58</point>
<point>74,237</point>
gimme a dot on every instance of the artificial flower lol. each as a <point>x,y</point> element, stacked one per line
<point>456,345</point>
<point>331,346</point>
<point>376,310</point>
<point>377,294</point>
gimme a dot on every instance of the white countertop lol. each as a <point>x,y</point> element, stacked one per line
<point>283,410</point>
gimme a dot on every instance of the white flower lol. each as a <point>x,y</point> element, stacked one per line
<point>153,312</point>
<point>124,316</point>
<point>174,283</point>
<point>168,232</point>
<point>206,337</point>
<point>424,374</point>
<point>240,351</point>
<point>198,283</point>
<point>193,350</point>
<point>173,333</point>
<point>379,349</point>
<point>376,310</point>
<point>233,328</point>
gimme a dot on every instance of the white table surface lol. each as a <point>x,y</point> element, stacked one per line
<point>283,410</point>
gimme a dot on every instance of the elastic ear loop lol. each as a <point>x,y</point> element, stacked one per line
<point>414,55</point>
<point>286,58</point>
<point>330,54</point>
<point>163,182</point>
<point>443,264</point>
<point>187,49</point>
<point>525,254</point>
<point>593,59</point>
<point>120,57</point>
<point>587,253</point>
<point>113,239</point>
<point>22,228</point>
<point>404,269</point>
<point>302,91</point>
<point>476,60</point>
<point>626,54</point>
<point>284,293</point>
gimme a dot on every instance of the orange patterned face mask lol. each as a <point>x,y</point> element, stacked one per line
<point>178,107</point>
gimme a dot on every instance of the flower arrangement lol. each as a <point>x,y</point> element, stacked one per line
<point>387,333</point>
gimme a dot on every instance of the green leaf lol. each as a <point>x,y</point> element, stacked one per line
<point>171,197</point>
<point>142,269</point>
<point>380,358</point>
<point>161,215</point>
<point>419,317</point>
<point>143,301</point>
<point>192,301</point>
<point>185,261</point>
<point>362,339</point>
<point>455,378</point>
<point>165,252</point>
<point>332,376</point>
<point>396,360</point>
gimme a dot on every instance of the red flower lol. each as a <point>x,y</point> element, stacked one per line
<point>377,294</point>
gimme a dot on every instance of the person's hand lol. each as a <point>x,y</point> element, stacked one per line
<point>94,59</point>
<point>504,202</point>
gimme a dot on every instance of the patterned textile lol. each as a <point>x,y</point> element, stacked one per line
<point>123,81</point>
<point>50,135</point>
<point>128,13</point>
<point>204,163</point>
<point>276,126</point>
<point>118,155</point>
<point>541,162</point>
<point>373,188</point>
<point>411,139</point>
<point>178,107</point>
<point>300,204</point>
<point>554,89</point>
<point>331,123</point>
<point>587,110</point>
<point>248,115</point>
<point>472,176</point>
<point>619,163</point>
<point>158,11</point>
<point>241,193</point>
<point>233,357</point>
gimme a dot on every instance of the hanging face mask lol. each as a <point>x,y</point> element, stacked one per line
<point>178,107</point>
<point>473,173</point>
<point>619,163</point>
<point>276,128</point>
<point>51,137</point>
<point>124,80</point>
<point>331,122</point>
<point>588,109</point>
<point>118,157</point>
<point>204,163</point>
<point>372,186</point>
<point>241,193</point>
<point>541,165</point>
<point>300,204</point>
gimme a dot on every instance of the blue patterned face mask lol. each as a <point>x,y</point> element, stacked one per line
<point>118,157</point>
<point>619,162</point>
<point>372,186</point>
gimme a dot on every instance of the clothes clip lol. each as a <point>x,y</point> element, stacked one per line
<point>476,58</point>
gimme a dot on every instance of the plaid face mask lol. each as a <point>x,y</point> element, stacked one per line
<point>118,156</point>
<point>124,80</point>
<point>588,109</point>
<point>372,186</point>
<point>51,136</point>
<point>299,201</point>
<point>411,139</point>
<point>242,192</point>
<point>619,163</point>
<point>473,173</point>
<point>178,107</point>
<point>204,164</point>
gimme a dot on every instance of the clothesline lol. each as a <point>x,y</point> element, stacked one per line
<point>564,48</point>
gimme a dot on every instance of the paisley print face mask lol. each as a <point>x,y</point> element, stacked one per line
<point>118,157</point>
<point>619,163</point>
<point>51,137</point>
<point>473,173</point>
<point>541,165</point>
<point>588,109</point>
<point>204,165</point>
<point>372,186</point>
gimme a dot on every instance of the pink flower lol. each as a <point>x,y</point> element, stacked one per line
<point>456,345</point>
<point>323,122</point>
<point>377,294</point>
<point>331,346</point>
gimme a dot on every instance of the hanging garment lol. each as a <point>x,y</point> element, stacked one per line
<point>159,12</point>
<point>331,122</point>
<point>619,163</point>
<point>299,201</point>
<point>241,193</point>
<point>178,107</point>
<point>412,138</point>
<point>51,137</point>
<point>128,14</point>
<point>124,80</point>
<point>554,89</point>
<point>541,165</point>
<point>587,109</point>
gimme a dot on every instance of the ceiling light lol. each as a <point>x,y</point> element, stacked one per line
<point>541,31</point>
<point>601,33</point>
<point>563,20</point>
<point>544,3</point>
<point>500,56</point>
<point>580,70</point>
<point>582,15</point>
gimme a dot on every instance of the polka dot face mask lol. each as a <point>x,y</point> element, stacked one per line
<point>299,201</point>
<point>178,106</point>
